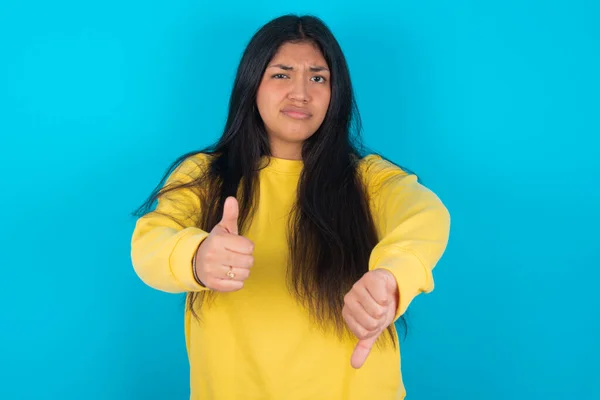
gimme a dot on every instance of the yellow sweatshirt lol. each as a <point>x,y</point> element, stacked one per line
<point>258,343</point>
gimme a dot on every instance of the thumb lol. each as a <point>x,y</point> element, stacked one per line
<point>362,351</point>
<point>230,215</point>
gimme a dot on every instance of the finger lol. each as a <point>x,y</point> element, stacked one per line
<point>237,260</point>
<point>362,351</point>
<point>355,327</point>
<point>238,244</point>
<point>368,303</point>
<point>230,215</point>
<point>358,312</point>
<point>226,285</point>
<point>237,274</point>
<point>377,286</point>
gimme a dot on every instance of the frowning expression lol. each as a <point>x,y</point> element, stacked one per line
<point>294,95</point>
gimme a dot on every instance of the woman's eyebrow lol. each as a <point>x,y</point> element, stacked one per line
<point>284,67</point>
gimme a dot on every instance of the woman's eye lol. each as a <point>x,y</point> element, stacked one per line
<point>318,79</point>
<point>279,76</point>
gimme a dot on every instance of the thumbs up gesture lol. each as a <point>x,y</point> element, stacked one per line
<point>369,308</point>
<point>224,258</point>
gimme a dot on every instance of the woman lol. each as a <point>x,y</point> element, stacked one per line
<point>297,252</point>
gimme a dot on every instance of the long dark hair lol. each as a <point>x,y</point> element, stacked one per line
<point>330,240</point>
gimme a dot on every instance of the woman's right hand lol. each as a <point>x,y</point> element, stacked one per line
<point>224,258</point>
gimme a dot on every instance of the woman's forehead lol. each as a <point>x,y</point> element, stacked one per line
<point>299,54</point>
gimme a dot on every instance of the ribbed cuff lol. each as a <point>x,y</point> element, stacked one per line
<point>411,275</point>
<point>182,257</point>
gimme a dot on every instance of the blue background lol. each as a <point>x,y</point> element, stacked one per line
<point>494,104</point>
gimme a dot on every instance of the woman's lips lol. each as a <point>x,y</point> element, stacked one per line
<point>296,112</point>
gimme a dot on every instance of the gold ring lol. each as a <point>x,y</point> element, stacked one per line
<point>230,273</point>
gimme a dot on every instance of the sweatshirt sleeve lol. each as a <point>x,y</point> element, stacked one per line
<point>164,241</point>
<point>413,226</point>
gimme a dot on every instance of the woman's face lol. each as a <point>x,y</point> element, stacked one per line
<point>293,97</point>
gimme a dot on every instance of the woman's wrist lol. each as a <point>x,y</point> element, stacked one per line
<point>195,271</point>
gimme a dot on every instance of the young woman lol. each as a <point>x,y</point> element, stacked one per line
<point>297,251</point>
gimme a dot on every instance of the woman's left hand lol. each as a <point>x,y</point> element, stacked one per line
<point>369,308</point>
